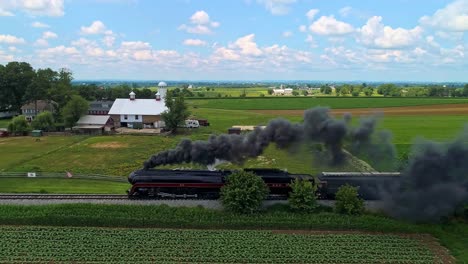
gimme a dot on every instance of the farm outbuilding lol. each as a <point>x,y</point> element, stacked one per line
<point>139,113</point>
<point>94,125</point>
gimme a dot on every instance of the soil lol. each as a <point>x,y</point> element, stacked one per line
<point>109,145</point>
<point>443,255</point>
<point>447,109</point>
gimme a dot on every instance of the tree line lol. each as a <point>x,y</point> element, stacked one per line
<point>21,84</point>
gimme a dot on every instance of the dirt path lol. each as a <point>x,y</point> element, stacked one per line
<point>447,109</point>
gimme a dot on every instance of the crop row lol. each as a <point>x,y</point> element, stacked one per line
<point>68,244</point>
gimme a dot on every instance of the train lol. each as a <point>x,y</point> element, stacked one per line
<point>207,184</point>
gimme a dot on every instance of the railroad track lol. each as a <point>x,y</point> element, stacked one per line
<point>63,197</point>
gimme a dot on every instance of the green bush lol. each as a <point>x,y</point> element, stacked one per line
<point>348,201</point>
<point>244,192</point>
<point>19,125</point>
<point>302,198</point>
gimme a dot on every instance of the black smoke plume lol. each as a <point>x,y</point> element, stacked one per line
<point>318,126</point>
<point>434,183</point>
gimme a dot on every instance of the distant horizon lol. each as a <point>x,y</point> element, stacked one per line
<point>259,81</point>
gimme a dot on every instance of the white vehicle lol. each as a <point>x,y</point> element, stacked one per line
<point>190,123</point>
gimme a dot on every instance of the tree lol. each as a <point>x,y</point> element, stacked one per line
<point>244,192</point>
<point>302,197</point>
<point>15,77</point>
<point>177,112</point>
<point>305,92</point>
<point>368,91</point>
<point>270,91</point>
<point>348,201</point>
<point>465,90</point>
<point>19,125</point>
<point>43,121</point>
<point>40,85</point>
<point>295,93</point>
<point>74,109</point>
<point>61,91</point>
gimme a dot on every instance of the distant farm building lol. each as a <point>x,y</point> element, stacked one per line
<point>31,110</point>
<point>286,91</point>
<point>100,107</point>
<point>139,113</point>
<point>94,124</point>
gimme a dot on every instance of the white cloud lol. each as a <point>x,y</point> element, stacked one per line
<point>194,42</point>
<point>453,17</point>
<point>41,43</point>
<point>328,25</point>
<point>287,34</point>
<point>198,29</point>
<point>200,23</point>
<point>200,17</point>
<point>108,40</point>
<point>247,45</point>
<point>38,24</point>
<point>375,34</point>
<point>5,13</point>
<point>48,35</point>
<point>311,13</point>
<point>57,51</point>
<point>277,7</point>
<point>303,28</point>
<point>311,41</point>
<point>97,27</point>
<point>223,53</point>
<point>345,11</point>
<point>9,39</point>
<point>33,7</point>
<point>135,45</point>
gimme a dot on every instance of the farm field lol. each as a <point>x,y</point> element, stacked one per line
<point>453,236</point>
<point>38,185</point>
<point>39,244</point>
<point>301,103</point>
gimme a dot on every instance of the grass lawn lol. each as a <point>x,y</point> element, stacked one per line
<point>454,235</point>
<point>37,185</point>
<point>292,103</point>
<point>16,151</point>
<point>4,122</point>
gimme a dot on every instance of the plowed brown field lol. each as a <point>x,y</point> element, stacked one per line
<point>448,109</point>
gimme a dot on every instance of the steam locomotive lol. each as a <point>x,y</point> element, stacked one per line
<point>206,184</point>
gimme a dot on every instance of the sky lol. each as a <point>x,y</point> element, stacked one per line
<point>383,40</point>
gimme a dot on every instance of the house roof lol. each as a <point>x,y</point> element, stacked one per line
<point>93,120</point>
<point>137,107</point>
<point>100,105</point>
<point>41,105</point>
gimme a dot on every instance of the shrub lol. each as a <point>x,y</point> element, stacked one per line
<point>43,121</point>
<point>302,197</point>
<point>19,125</point>
<point>244,192</point>
<point>348,201</point>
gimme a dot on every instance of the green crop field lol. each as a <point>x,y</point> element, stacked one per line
<point>293,103</point>
<point>68,244</point>
<point>38,185</point>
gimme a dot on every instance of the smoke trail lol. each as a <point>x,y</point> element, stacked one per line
<point>374,147</point>
<point>434,183</point>
<point>318,126</point>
